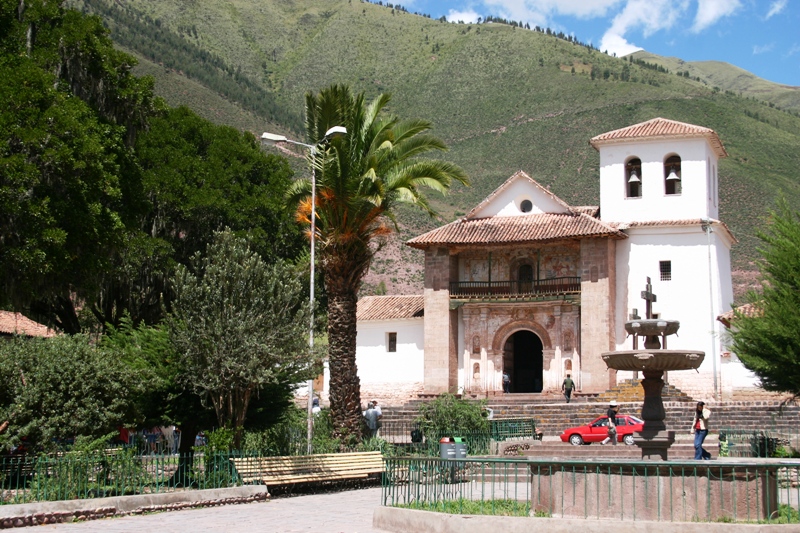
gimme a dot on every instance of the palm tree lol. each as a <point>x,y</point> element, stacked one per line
<point>361,177</point>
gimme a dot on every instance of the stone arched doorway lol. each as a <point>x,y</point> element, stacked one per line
<point>523,361</point>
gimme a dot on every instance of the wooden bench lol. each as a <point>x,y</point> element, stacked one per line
<point>286,470</point>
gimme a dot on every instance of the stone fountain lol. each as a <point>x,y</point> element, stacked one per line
<point>654,440</point>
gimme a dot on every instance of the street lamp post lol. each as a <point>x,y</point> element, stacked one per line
<point>273,139</point>
<point>706,225</point>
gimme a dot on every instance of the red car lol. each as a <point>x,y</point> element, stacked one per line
<point>595,431</point>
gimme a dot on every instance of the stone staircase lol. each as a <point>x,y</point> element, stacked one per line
<point>630,390</point>
<point>552,414</point>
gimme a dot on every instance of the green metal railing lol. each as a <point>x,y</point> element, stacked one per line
<point>706,491</point>
<point>113,473</point>
<point>753,443</point>
<point>410,438</point>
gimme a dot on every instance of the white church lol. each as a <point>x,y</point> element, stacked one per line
<point>529,285</point>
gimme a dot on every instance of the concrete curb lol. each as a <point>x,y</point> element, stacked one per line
<point>402,520</point>
<point>29,514</point>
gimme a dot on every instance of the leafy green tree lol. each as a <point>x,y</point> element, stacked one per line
<point>361,178</point>
<point>238,325</point>
<point>198,177</point>
<point>68,185</point>
<point>60,193</point>
<point>61,388</point>
<point>448,415</point>
<point>767,340</point>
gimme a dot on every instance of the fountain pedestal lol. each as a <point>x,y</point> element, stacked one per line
<point>654,440</point>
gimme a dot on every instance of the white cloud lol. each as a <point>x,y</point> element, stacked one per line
<point>776,8</point>
<point>793,50</point>
<point>616,44</point>
<point>468,16</point>
<point>762,49</point>
<point>539,12</point>
<point>710,11</point>
<point>645,16</point>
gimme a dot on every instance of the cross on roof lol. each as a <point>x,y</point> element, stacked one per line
<point>649,298</point>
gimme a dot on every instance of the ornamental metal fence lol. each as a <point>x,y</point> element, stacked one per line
<point>412,438</point>
<point>705,491</point>
<point>116,472</point>
<point>757,443</point>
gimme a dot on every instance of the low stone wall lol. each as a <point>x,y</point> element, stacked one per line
<point>403,520</point>
<point>35,514</point>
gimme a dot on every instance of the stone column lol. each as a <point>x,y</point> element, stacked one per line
<point>440,349</point>
<point>598,304</point>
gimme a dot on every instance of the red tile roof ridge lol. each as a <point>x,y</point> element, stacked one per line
<point>388,307</point>
<point>622,226</point>
<point>541,227</point>
<point>660,127</point>
<point>18,324</point>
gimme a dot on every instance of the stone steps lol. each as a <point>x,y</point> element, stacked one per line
<point>552,418</point>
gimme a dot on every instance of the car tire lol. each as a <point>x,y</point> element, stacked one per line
<point>628,439</point>
<point>575,440</point>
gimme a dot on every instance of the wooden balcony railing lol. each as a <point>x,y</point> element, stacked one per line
<point>509,289</point>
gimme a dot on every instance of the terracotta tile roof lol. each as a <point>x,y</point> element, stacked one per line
<point>390,307</point>
<point>542,227</point>
<point>18,324</point>
<point>748,310</point>
<point>660,128</point>
<point>622,226</point>
<point>591,210</point>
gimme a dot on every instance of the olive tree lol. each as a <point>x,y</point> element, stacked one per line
<point>238,325</point>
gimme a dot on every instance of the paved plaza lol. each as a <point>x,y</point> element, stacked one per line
<point>340,512</point>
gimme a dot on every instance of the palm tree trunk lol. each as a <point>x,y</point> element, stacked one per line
<point>345,386</point>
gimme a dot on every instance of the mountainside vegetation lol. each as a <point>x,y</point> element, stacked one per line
<point>501,96</point>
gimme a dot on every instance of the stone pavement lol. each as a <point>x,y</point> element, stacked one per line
<point>347,511</point>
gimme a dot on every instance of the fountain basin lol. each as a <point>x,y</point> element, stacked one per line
<point>654,360</point>
<point>652,326</point>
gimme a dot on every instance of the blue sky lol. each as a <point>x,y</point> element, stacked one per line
<point>762,36</point>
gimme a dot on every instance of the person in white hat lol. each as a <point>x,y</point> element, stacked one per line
<point>613,409</point>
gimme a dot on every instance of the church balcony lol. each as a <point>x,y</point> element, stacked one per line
<point>542,289</point>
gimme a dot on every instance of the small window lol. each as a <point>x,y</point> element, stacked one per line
<point>633,178</point>
<point>526,206</point>
<point>391,346</point>
<point>666,270</point>
<point>672,175</point>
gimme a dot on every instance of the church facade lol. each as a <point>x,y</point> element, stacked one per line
<point>528,285</point>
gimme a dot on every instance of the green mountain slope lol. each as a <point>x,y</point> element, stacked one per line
<point>729,78</point>
<point>503,98</point>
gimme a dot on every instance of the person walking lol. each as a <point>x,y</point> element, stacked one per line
<point>371,416</point>
<point>613,409</point>
<point>700,430</point>
<point>567,386</point>
<point>506,382</point>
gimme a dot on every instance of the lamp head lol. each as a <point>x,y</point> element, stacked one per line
<point>272,139</point>
<point>335,132</point>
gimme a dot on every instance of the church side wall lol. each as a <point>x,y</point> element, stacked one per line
<point>390,377</point>
<point>684,297</point>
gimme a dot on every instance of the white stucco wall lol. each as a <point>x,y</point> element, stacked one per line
<point>376,365</point>
<point>685,297</point>
<point>698,197</point>
<point>508,201</point>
